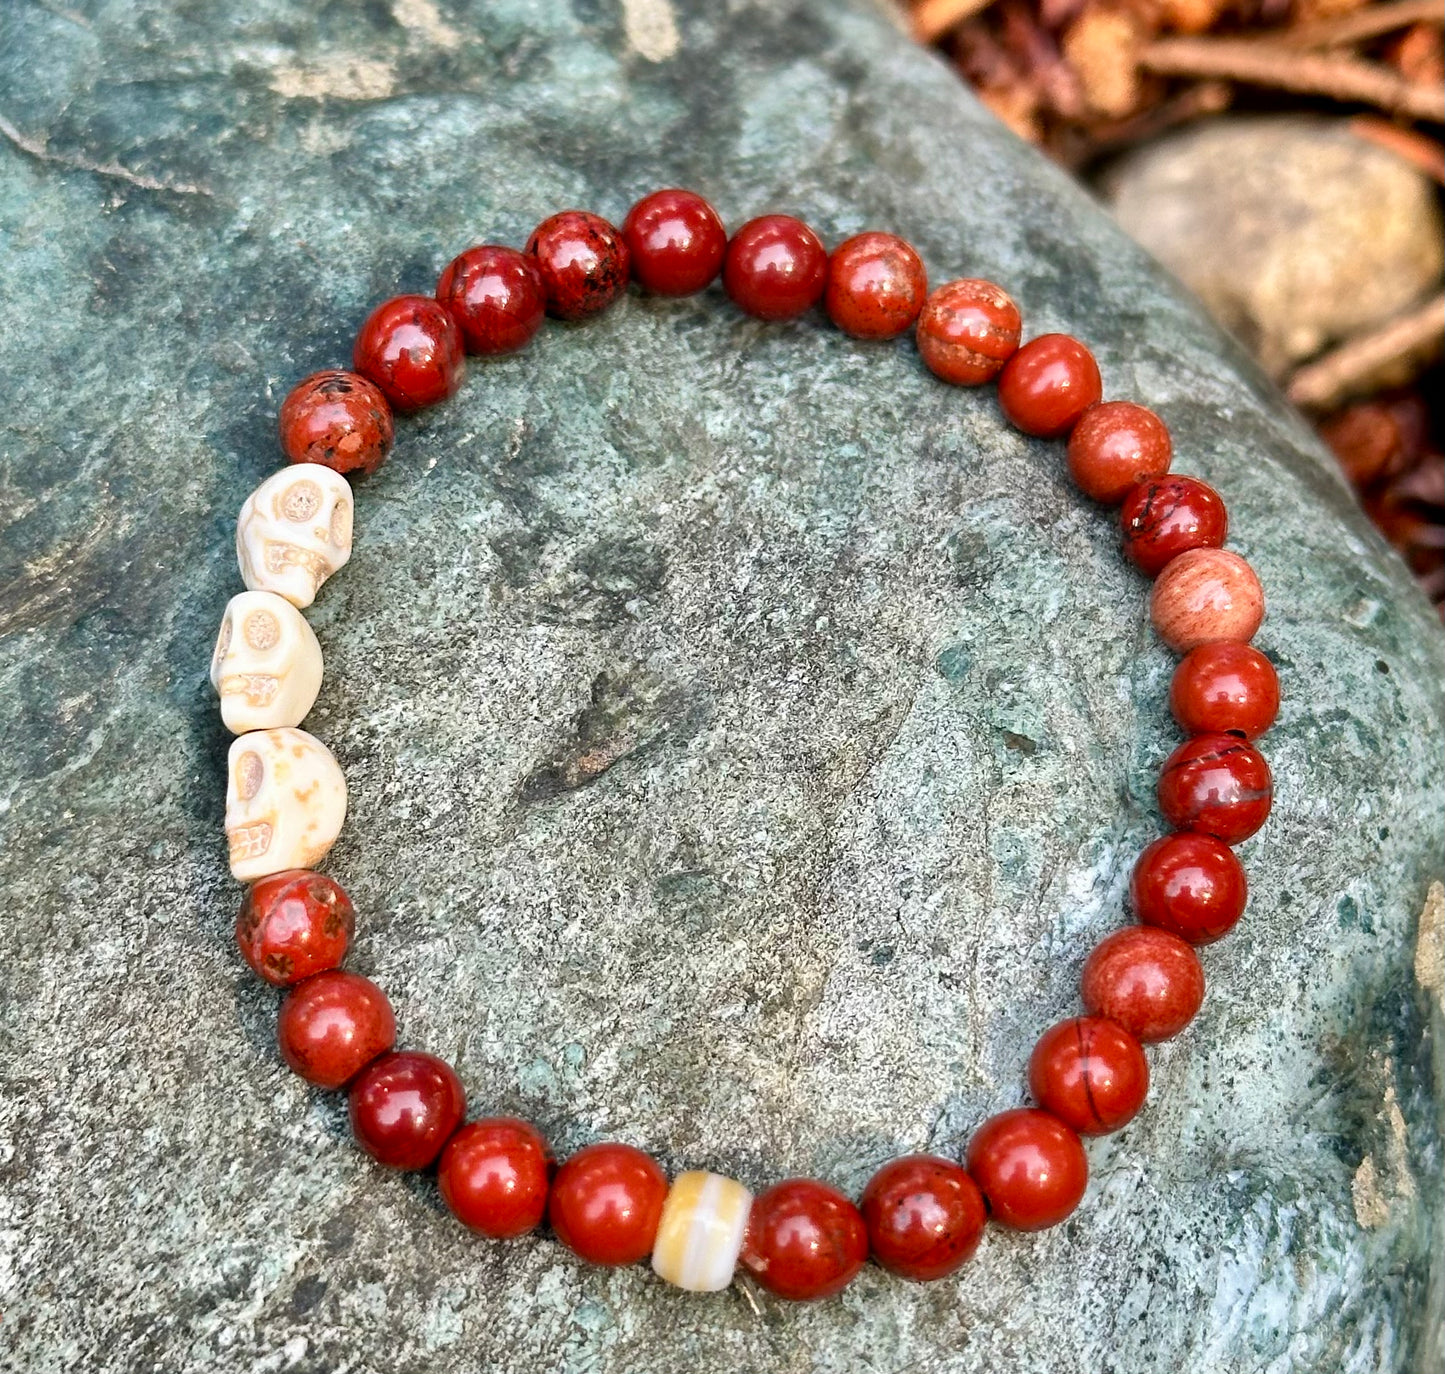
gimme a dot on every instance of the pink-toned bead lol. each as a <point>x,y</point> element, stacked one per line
<point>1205,595</point>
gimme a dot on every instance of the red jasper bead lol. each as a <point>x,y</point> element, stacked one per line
<point>1225,687</point>
<point>495,295</point>
<point>1115,446</point>
<point>876,286</point>
<point>968,330</point>
<point>776,268</point>
<point>925,1216</point>
<point>804,1241</point>
<point>584,263</point>
<point>337,419</point>
<point>1030,1166</point>
<point>294,924</point>
<point>493,1175</point>
<point>606,1203</point>
<point>1168,516</point>
<point>332,1026</point>
<point>1218,785</point>
<point>1146,980</point>
<point>677,242</point>
<point>412,349</point>
<point>404,1107</point>
<point>1190,885</point>
<point>1090,1073</point>
<point>1048,384</point>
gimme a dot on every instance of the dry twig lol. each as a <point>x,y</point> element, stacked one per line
<point>1356,363</point>
<point>1358,27</point>
<point>1413,147</point>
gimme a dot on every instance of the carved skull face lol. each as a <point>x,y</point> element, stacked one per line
<point>285,802</point>
<point>295,531</point>
<point>267,664</point>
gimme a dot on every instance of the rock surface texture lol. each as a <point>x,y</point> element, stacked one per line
<point>747,735</point>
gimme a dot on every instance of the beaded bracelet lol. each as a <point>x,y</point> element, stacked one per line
<point>920,1216</point>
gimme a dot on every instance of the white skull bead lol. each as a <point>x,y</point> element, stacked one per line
<point>285,802</point>
<point>267,664</point>
<point>294,532</point>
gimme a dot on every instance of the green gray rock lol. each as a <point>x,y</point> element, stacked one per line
<point>747,735</point>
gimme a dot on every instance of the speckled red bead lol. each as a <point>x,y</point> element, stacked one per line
<point>583,261</point>
<point>1217,784</point>
<point>293,924</point>
<point>776,268</point>
<point>925,1217</point>
<point>606,1203</point>
<point>412,349</point>
<point>676,241</point>
<point>1090,1073</point>
<point>337,419</point>
<point>1190,885</point>
<point>404,1107</point>
<point>1168,516</point>
<point>1116,445</point>
<point>968,330</point>
<point>493,1174</point>
<point>876,286</point>
<point>1225,687</point>
<point>1048,384</point>
<point>1146,980</point>
<point>805,1240</point>
<point>1030,1167</point>
<point>332,1026</point>
<point>495,294</point>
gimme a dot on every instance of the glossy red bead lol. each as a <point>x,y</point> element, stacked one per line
<point>411,348</point>
<point>925,1216</point>
<point>337,419</point>
<point>804,1241</point>
<point>1168,516</point>
<point>606,1203</point>
<point>1048,384</point>
<point>332,1026</point>
<point>1116,445</point>
<point>1090,1073</point>
<point>1030,1166</point>
<point>294,924</point>
<point>1190,885</point>
<point>1146,980</point>
<point>404,1107</point>
<point>1218,785</point>
<point>776,268</point>
<point>584,263</point>
<point>677,242</point>
<point>495,295</point>
<point>876,286</point>
<point>1225,687</point>
<point>493,1175</point>
<point>968,330</point>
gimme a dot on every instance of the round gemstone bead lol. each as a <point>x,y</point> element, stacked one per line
<point>1190,885</point>
<point>1030,1166</point>
<point>1165,517</point>
<point>805,1240</point>
<point>925,1216</point>
<point>1146,980</point>
<point>606,1203</point>
<point>701,1232</point>
<point>968,330</point>
<point>412,349</point>
<point>293,924</point>
<point>584,263</point>
<point>493,1175</point>
<point>1225,687</point>
<point>1205,595</point>
<point>339,420</point>
<point>676,240</point>
<point>1218,785</point>
<point>495,295</point>
<point>776,268</point>
<point>876,286</point>
<point>1090,1073</point>
<point>332,1026</point>
<point>404,1107</point>
<point>1115,446</point>
<point>1048,384</point>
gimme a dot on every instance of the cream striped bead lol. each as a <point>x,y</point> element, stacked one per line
<point>701,1232</point>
